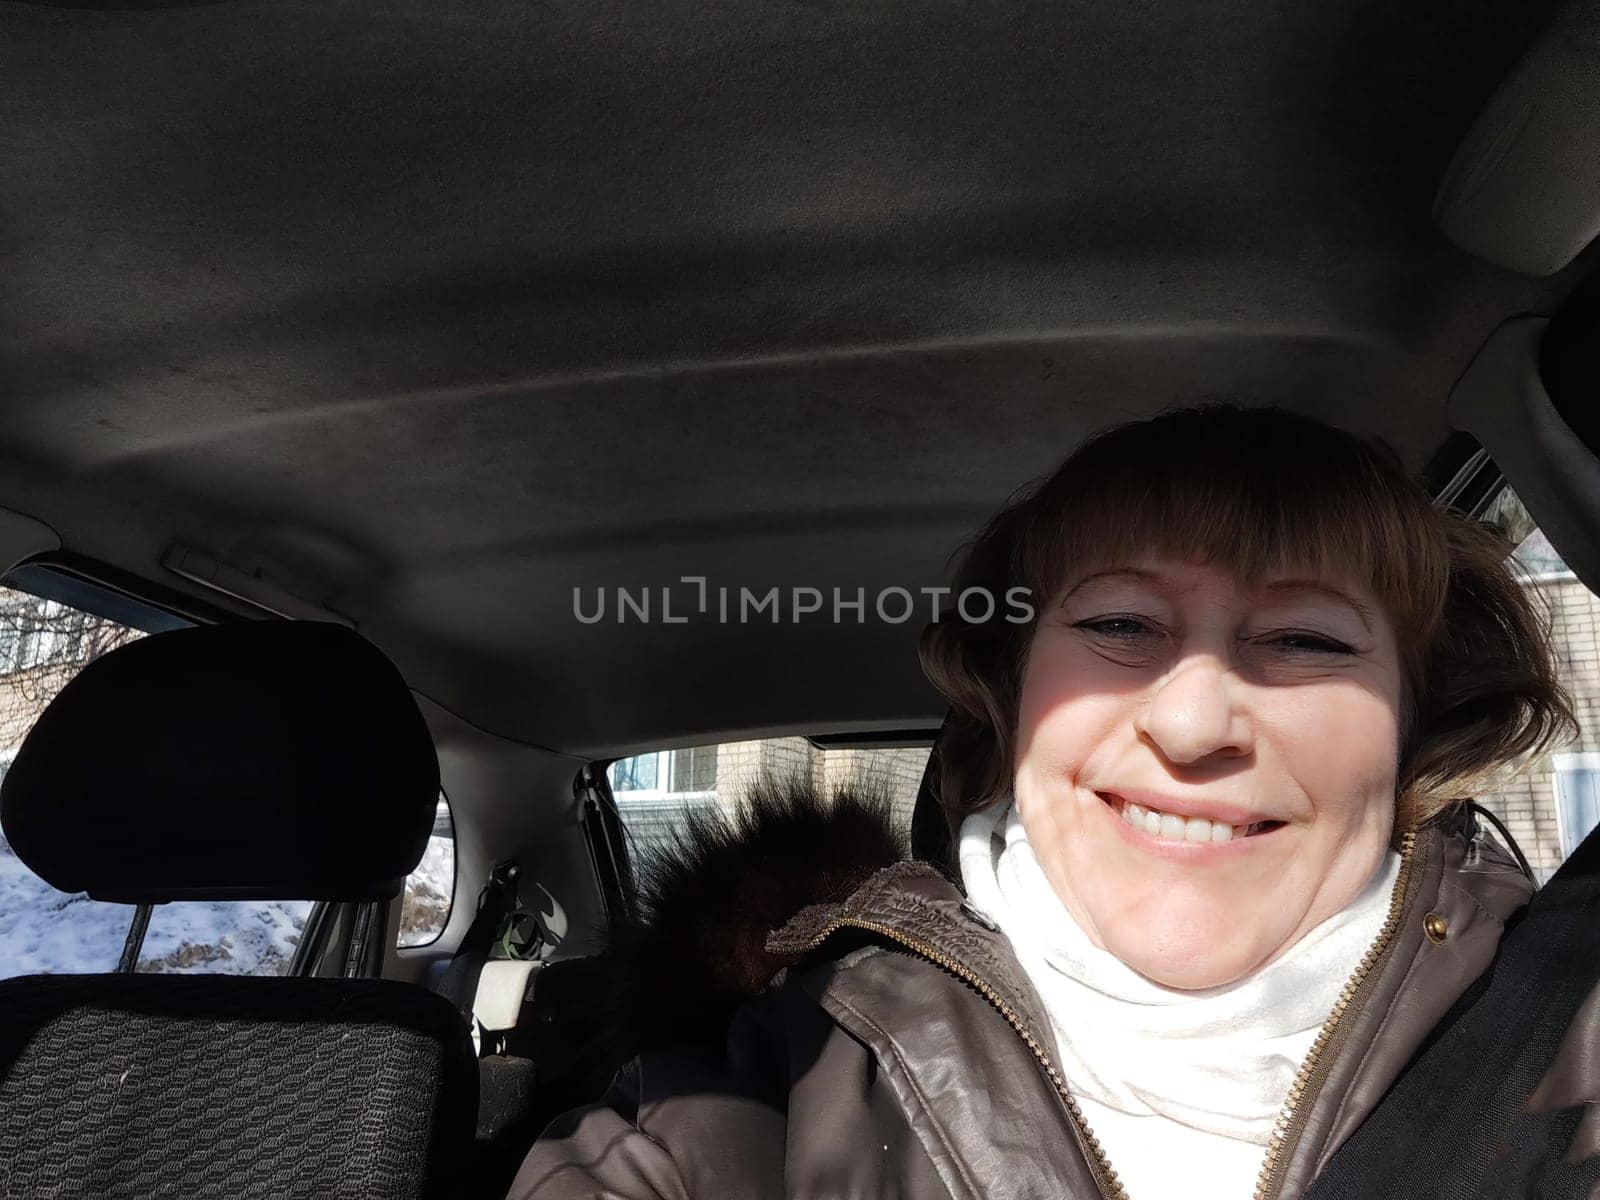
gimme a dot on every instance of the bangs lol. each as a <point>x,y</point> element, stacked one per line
<point>1260,493</point>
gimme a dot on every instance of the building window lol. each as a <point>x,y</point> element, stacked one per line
<point>656,792</point>
<point>694,769</point>
<point>638,774</point>
<point>1577,785</point>
<point>665,775</point>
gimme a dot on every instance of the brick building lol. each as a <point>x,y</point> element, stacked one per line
<point>43,644</point>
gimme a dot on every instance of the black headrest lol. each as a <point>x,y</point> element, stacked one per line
<point>259,760</point>
<point>932,838</point>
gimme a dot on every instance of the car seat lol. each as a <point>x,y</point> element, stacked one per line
<point>251,761</point>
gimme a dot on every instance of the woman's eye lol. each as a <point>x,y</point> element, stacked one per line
<point>1312,643</point>
<point>1117,628</point>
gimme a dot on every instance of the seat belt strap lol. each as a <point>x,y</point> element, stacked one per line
<point>495,902</point>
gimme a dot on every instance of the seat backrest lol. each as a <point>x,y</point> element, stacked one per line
<point>253,761</point>
<point>217,1086</point>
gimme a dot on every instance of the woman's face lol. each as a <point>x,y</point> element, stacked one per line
<point>1261,727</point>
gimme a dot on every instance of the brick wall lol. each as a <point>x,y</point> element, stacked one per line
<point>900,769</point>
<point>740,763</point>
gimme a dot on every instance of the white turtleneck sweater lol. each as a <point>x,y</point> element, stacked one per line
<point>1181,1087</point>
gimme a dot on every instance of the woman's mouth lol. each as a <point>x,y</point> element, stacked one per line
<point>1175,828</point>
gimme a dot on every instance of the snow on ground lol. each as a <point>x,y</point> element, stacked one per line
<point>232,937</point>
<point>43,931</point>
<point>46,931</point>
<point>426,905</point>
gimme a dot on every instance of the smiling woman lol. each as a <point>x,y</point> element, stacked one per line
<point>1217,870</point>
<point>1189,792</point>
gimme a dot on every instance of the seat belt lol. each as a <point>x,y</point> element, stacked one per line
<point>495,902</point>
<point>1456,1123</point>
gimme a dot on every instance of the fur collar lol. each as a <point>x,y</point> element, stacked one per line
<point>693,945</point>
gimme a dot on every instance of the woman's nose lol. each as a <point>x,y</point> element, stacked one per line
<point>1194,713</point>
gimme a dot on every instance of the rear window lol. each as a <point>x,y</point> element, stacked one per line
<point>430,889</point>
<point>655,791</point>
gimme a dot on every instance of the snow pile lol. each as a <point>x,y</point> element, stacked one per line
<point>425,907</point>
<point>233,937</point>
<point>43,931</point>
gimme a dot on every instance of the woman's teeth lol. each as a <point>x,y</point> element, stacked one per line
<point>1183,829</point>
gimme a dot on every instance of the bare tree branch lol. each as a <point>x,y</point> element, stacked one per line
<point>43,644</point>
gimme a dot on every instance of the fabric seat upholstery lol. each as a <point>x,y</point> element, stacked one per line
<point>202,1086</point>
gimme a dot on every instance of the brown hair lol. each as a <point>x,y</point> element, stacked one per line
<point>1261,490</point>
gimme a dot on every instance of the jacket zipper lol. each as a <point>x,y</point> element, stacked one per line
<point>1105,1177</point>
<point>1325,1049</point>
<point>1308,1080</point>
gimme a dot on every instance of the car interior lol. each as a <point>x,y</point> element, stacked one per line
<point>605,381</point>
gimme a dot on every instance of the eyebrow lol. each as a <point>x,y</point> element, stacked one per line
<point>1325,589</point>
<point>1276,586</point>
<point>1116,572</point>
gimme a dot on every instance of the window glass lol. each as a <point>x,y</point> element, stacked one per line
<point>655,791</point>
<point>222,937</point>
<point>694,769</point>
<point>43,644</point>
<point>43,931</point>
<point>1548,802</point>
<point>1577,784</point>
<point>635,775</point>
<point>425,903</point>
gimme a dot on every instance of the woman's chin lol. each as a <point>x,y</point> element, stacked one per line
<point>1192,976</point>
<point>1192,959</point>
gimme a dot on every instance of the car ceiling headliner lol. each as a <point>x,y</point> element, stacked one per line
<point>430,313</point>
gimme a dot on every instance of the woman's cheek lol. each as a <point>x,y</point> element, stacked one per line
<point>1049,752</point>
<point>1343,750</point>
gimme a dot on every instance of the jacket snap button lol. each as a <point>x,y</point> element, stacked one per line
<point>1435,927</point>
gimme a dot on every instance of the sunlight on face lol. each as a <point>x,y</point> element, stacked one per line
<point>1273,712</point>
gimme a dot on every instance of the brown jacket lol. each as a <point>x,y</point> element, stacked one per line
<point>906,1055</point>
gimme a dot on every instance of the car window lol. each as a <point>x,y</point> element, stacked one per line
<point>43,644</point>
<point>654,791</point>
<point>1550,802</point>
<point>430,889</point>
<point>222,937</point>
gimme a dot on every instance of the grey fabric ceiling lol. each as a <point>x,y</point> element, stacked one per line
<point>430,313</point>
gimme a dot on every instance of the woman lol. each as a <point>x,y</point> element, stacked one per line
<point>1217,881</point>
